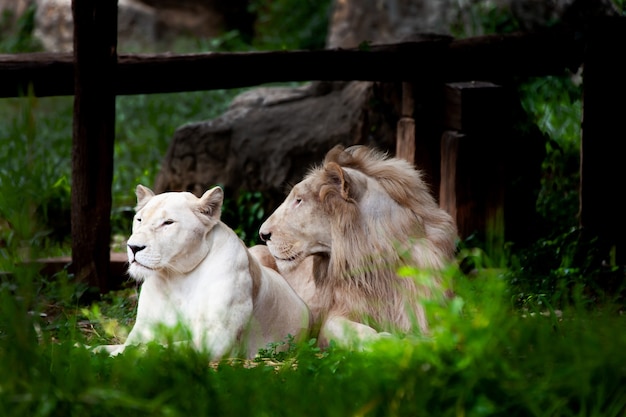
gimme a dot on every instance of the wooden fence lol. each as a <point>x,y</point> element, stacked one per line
<point>94,74</point>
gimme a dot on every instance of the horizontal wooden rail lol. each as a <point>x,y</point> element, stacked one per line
<point>490,57</point>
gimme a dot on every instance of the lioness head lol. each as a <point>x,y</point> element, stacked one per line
<point>169,231</point>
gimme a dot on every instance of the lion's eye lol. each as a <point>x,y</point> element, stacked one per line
<point>168,222</point>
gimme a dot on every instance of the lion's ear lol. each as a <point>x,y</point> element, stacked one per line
<point>336,177</point>
<point>210,203</point>
<point>143,194</point>
<point>342,182</point>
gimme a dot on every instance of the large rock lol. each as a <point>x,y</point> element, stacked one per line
<point>270,137</point>
<point>200,18</point>
<point>356,21</point>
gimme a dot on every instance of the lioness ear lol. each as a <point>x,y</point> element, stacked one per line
<point>210,203</point>
<point>143,195</point>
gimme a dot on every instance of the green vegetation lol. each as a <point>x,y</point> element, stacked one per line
<point>19,32</point>
<point>485,357</point>
<point>291,24</point>
<point>528,333</point>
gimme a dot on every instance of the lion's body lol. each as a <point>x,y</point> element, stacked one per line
<point>198,274</point>
<point>343,232</point>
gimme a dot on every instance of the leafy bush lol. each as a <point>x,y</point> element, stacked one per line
<point>554,104</point>
<point>291,24</point>
<point>35,171</point>
<point>484,357</point>
<point>477,17</point>
<point>16,33</point>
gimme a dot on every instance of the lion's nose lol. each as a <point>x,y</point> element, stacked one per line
<point>265,236</point>
<point>136,248</point>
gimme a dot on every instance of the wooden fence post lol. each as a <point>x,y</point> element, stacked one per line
<point>95,59</point>
<point>471,188</point>
<point>405,136</point>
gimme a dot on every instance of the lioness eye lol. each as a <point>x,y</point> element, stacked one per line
<point>168,222</point>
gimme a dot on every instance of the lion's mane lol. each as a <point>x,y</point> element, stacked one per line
<point>360,280</point>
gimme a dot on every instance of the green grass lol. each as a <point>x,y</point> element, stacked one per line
<point>485,357</point>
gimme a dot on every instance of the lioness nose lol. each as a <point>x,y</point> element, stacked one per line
<point>265,236</point>
<point>136,248</point>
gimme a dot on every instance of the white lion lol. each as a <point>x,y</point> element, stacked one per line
<point>196,273</point>
<point>342,234</point>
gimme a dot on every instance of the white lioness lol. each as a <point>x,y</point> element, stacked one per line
<point>198,274</point>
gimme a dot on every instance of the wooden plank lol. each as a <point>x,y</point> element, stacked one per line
<point>118,278</point>
<point>49,74</point>
<point>528,54</point>
<point>471,188</point>
<point>463,192</point>
<point>428,114</point>
<point>472,105</point>
<point>602,149</point>
<point>490,57</point>
<point>489,170</point>
<point>405,135</point>
<point>405,139</point>
<point>450,143</point>
<point>95,56</point>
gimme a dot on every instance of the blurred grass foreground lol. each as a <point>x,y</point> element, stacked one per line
<point>485,357</point>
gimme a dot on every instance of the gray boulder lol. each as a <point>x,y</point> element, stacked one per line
<point>270,137</point>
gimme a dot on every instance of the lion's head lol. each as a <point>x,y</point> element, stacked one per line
<point>169,231</point>
<point>363,214</point>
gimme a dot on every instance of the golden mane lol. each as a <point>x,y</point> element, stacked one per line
<point>382,216</point>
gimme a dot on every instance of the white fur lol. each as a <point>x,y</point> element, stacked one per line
<point>343,232</point>
<point>197,273</point>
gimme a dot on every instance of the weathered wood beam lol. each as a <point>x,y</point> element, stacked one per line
<point>405,135</point>
<point>49,74</point>
<point>481,58</point>
<point>473,156</point>
<point>95,57</point>
<point>499,57</point>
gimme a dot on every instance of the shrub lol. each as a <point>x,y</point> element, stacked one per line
<point>484,357</point>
